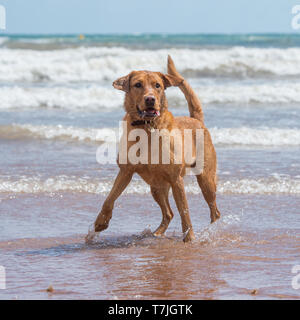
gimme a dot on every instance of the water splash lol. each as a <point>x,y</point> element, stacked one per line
<point>218,231</point>
<point>91,235</point>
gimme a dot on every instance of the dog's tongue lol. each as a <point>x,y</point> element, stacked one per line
<point>153,111</point>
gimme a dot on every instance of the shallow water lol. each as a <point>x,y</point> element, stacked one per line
<point>242,252</point>
<point>57,106</point>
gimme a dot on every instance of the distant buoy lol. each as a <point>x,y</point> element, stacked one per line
<point>81,37</point>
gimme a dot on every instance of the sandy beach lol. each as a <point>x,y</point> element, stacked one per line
<point>57,106</point>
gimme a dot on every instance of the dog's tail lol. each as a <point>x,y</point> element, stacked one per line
<point>194,103</point>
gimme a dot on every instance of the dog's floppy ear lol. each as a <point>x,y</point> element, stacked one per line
<point>170,81</point>
<point>122,83</point>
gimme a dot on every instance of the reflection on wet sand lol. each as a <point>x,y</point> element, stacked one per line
<point>242,256</point>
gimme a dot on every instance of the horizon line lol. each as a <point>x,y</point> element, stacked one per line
<point>150,33</point>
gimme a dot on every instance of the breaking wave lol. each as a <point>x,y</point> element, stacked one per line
<point>98,97</point>
<point>106,64</point>
<point>242,136</point>
<point>62,183</point>
<point>58,132</point>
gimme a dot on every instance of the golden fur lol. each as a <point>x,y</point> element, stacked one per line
<point>161,177</point>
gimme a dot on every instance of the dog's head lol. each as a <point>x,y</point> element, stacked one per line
<point>145,96</point>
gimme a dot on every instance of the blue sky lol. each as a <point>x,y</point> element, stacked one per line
<point>155,16</point>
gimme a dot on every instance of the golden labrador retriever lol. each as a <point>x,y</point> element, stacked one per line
<point>147,108</point>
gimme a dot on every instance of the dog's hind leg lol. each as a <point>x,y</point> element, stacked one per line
<point>160,195</point>
<point>208,187</point>
<point>121,182</point>
<point>182,206</point>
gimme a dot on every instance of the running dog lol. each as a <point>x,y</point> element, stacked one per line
<point>146,108</point>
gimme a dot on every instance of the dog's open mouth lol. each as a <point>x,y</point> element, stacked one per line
<point>150,112</point>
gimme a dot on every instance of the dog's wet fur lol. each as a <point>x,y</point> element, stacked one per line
<point>145,100</point>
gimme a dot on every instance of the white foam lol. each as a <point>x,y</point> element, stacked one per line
<point>216,233</point>
<point>243,136</point>
<point>260,186</point>
<point>16,131</point>
<point>92,98</point>
<point>62,183</point>
<point>275,93</point>
<point>3,40</point>
<point>102,64</point>
<point>256,136</point>
<point>98,97</point>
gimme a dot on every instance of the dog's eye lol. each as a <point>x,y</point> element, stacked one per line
<point>157,85</point>
<point>138,85</point>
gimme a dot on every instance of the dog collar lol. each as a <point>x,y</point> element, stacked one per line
<point>141,122</point>
<point>149,124</point>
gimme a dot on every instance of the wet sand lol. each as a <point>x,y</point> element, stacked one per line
<point>242,252</point>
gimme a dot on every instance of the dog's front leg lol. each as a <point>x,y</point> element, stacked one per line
<point>182,206</point>
<point>121,182</point>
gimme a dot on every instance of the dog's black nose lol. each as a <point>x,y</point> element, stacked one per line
<point>150,101</point>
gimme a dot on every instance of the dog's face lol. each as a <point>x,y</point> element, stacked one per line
<point>145,97</point>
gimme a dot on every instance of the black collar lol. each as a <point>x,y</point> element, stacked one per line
<point>141,122</point>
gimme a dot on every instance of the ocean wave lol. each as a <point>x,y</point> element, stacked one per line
<point>139,40</point>
<point>98,97</point>
<point>57,132</point>
<point>107,64</point>
<point>245,136</point>
<point>63,183</point>
<point>242,136</point>
<point>3,40</point>
<point>92,98</point>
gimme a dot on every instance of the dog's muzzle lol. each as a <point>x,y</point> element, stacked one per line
<point>150,112</point>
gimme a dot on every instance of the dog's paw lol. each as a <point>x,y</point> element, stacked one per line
<point>158,234</point>
<point>90,235</point>
<point>100,227</point>
<point>188,236</point>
